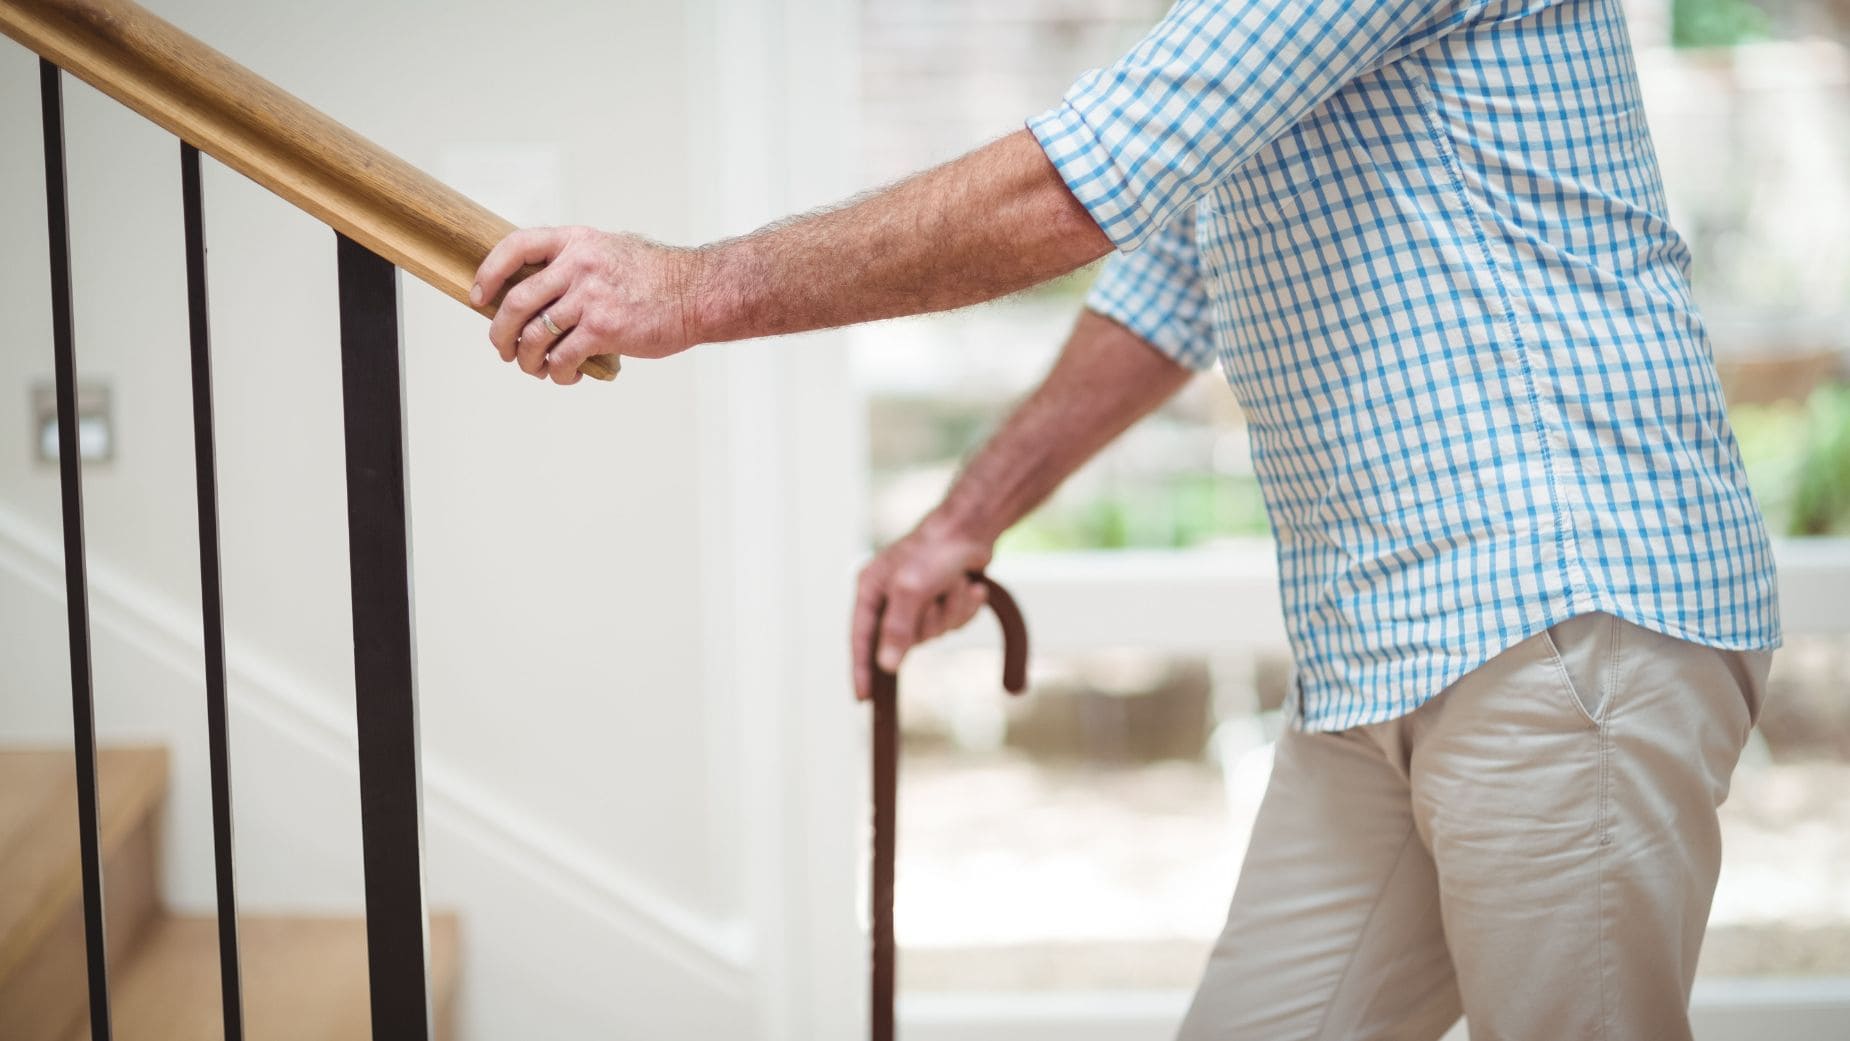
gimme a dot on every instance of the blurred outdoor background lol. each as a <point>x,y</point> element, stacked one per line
<point>1089,837</point>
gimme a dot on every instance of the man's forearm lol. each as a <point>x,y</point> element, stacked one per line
<point>1105,380</point>
<point>982,226</point>
<point>919,587</point>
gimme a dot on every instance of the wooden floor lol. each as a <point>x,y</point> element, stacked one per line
<point>305,980</point>
<point>304,977</point>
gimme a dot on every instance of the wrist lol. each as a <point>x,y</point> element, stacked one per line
<point>692,295</point>
<point>959,519</point>
<point>714,308</point>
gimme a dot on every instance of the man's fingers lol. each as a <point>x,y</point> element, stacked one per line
<point>531,357</point>
<point>899,626</point>
<point>518,249</point>
<point>965,603</point>
<point>952,610</point>
<point>932,620</point>
<point>897,636</point>
<point>559,368</point>
<point>569,351</point>
<point>866,616</point>
<point>520,312</point>
<point>537,342</point>
<point>537,335</point>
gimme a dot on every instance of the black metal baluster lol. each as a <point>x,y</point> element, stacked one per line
<point>76,579</point>
<point>379,547</point>
<point>205,465</point>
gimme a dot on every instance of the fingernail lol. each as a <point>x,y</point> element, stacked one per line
<point>889,659</point>
<point>475,295</point>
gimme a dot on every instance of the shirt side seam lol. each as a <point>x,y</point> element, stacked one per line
<point>1566,539</point>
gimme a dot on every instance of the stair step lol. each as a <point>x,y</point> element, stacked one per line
<point>42,978</point>
<point>304,980</point>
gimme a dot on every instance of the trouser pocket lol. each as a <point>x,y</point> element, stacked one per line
<point>1586,653</point>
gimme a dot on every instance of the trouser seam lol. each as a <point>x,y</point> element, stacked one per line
<point>1604,839</point>
<point>1329,1006</point>
<point>1611,690</point>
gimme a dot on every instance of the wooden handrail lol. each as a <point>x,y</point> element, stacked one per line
<point>255,127</point>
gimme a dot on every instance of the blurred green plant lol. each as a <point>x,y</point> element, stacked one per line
<point>1716,23</point>
<point>1798,460</point>
<point>1174,513</point>
<point>1071,287</point>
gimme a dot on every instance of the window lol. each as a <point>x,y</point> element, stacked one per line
<point>1089,838</point>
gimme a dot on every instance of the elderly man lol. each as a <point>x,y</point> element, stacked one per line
<point>1530,597</point>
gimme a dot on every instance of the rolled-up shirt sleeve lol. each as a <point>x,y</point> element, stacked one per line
<point>1157,292</point>
<point>1212,84</point>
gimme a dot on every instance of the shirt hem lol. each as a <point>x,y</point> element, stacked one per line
<point>1336,721</point>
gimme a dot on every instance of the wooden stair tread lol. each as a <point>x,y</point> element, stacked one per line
<point>39,855</point>
<point>304,980</point>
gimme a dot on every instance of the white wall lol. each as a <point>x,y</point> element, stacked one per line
<point>627,597</point>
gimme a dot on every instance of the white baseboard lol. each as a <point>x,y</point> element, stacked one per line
<point>1720,1010</point>
<point>1079,1016</point>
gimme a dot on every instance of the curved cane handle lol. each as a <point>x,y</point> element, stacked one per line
<point>1014,636</point>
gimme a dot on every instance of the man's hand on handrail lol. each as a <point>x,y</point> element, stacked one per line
<point>596,293</point>
<point>995,221</point>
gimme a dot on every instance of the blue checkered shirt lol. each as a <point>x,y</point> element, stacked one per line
<point>1426,242</point>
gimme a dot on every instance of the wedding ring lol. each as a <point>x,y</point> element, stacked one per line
<point>546,320</point>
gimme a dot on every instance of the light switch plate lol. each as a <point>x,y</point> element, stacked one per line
<point>96,440</point>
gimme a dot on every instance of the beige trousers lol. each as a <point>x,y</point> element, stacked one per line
<point>1536,847</point>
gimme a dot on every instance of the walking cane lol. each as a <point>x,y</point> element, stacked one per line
<point>886,789</point>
